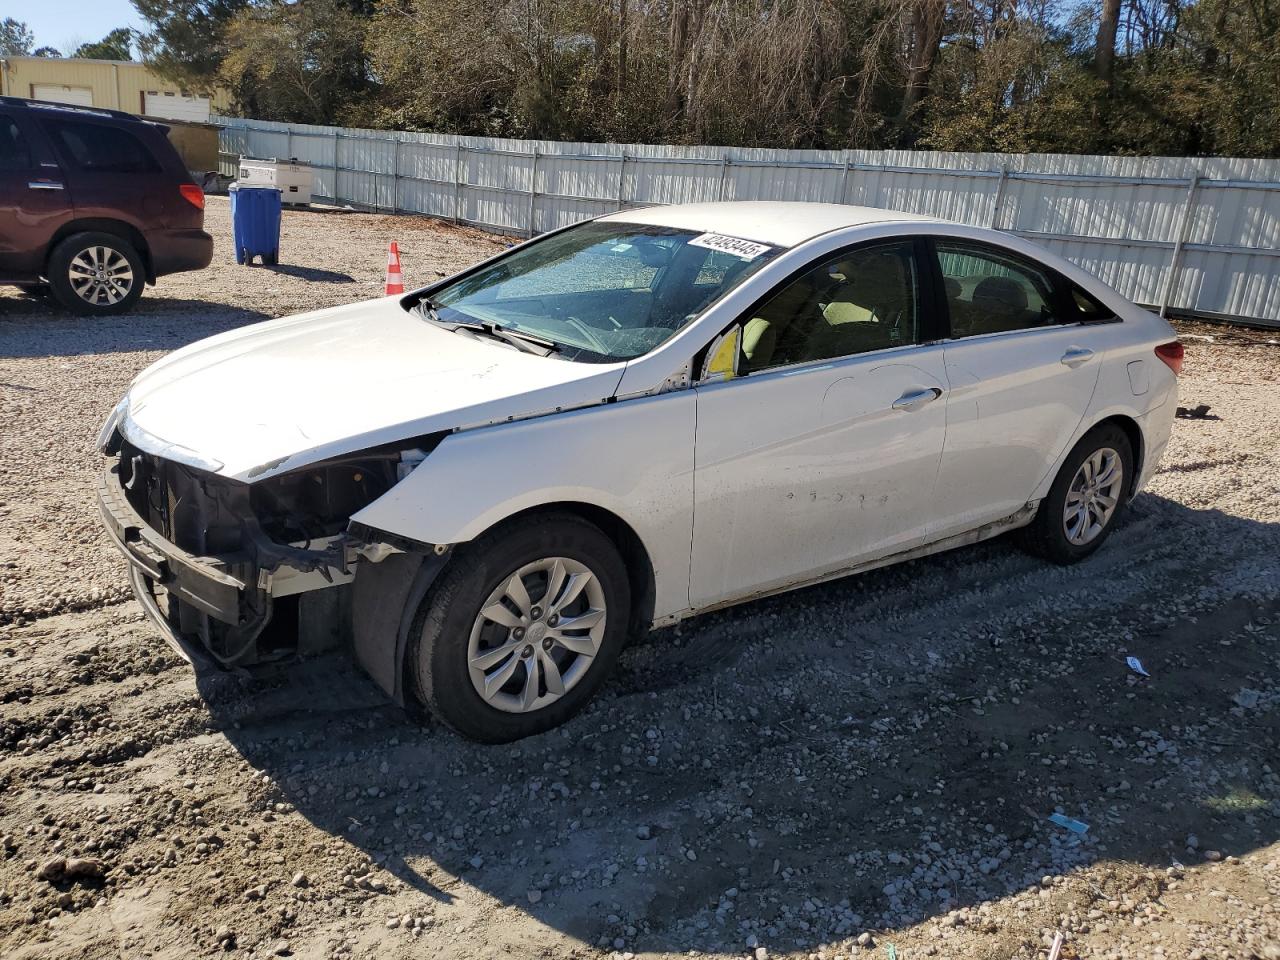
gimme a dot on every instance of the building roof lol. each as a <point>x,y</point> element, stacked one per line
<point>764,221</point>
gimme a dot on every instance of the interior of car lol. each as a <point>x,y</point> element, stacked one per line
<point>865,300</point>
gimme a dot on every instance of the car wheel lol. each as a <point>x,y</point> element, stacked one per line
<point>1086,499</point>
<point>95,274</point>
<point>521,629</point>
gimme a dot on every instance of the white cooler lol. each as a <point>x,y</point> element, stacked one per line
<point>291,178</point>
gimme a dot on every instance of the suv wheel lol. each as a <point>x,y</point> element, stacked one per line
<point>95,274</point>
<point>521,629</point>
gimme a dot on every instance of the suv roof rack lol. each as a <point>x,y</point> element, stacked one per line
<point>51,105</point>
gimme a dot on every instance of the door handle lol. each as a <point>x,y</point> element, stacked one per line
<point>1076,356</point>
<point>44,185</point>
<point>915,399</point>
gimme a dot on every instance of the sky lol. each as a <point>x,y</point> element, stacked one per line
<point>68,23</point>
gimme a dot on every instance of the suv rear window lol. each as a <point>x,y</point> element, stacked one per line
<point>14,152</point>
<point>100,148</point>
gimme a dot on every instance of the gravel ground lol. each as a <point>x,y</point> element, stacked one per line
<point>861,765</point>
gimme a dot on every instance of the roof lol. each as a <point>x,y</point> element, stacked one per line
<point>764,221</point>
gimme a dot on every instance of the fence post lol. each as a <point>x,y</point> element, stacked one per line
<point>844,182</point>
<point>998,207</point>
<point>457,180</point>
<point>395,174</point>
<point>724,174</point>
<point>533,188</point>
<point>335,166</point>
<point>288,143</point>
<point>1184,228</point>
<point>622,176</point>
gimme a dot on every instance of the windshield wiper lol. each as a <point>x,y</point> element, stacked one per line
<point>525,342</point>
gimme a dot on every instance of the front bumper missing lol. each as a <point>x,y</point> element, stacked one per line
<point>205,583</point>
<point>213,609</point>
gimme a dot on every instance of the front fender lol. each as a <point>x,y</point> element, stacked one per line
<point>633,458</point>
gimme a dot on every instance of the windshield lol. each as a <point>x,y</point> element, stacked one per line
<point>603,291</point>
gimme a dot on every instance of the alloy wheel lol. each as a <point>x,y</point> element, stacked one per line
<point>536,635</point>
<point>100,275</point>
<point>1093,496</point>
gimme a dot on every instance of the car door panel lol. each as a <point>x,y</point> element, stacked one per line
<point>34,202</point>
<point>1012,408</point>
<point>802,472</point>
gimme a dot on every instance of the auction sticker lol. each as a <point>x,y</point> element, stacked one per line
<point>742,249</point>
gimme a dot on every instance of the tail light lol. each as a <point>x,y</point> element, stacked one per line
<point>1171,354</point>
<point>192,194</point>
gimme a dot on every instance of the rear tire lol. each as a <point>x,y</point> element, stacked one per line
<point>96,274</point>
<point>1077,515</point>
<point>492,652</point>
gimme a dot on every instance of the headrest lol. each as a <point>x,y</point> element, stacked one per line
<point>1002,293</point>
<point>953,288</point>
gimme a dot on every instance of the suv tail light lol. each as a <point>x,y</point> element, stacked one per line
<point>192,194</point>
<point>1171,354</point>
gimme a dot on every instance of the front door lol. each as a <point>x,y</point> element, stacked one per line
<point>824,452</point>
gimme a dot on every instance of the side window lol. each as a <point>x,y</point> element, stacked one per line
<point>865,299</point>
<point>101,148</point>
<point>1082,306</point>
<point>15,154</point>
<point>989,291</point>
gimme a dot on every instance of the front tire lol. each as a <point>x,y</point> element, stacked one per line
<point>521,629</point>
<point>96,274</point>
<point>1086,499</point>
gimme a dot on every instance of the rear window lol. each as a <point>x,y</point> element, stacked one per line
<point>100,148</point>
<point>14,152</point>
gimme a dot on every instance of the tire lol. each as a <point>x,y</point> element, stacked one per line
<point>449,630</point>
<point>1065,540</point>
<point>79,290</point>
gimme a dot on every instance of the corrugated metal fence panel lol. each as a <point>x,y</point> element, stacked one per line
<point>1120,218</point>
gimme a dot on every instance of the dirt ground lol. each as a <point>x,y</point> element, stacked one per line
<point>864,768</point>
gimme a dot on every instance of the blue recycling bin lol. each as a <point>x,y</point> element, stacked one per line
<point>255,223</point>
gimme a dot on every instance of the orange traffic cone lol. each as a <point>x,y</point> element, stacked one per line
<point>395,281</point>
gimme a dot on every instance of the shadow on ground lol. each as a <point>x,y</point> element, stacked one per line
<point>30,327</point>
<point>866,753</point>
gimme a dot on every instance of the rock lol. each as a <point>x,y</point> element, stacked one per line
<point>761,953</point>
<point>300,880</point>
<point>1213,856</point>
<point>534,895</point>
<point>85,868</point>
<point>866,940</point>
<point>52,870</point>
<point>642,833</point>
<point>281,949</point>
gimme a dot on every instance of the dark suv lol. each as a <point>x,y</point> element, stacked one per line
<point>93,203</point>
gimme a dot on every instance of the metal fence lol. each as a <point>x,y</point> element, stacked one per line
<point>1192,236</point>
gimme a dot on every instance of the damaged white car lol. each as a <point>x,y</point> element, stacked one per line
<point>484,486</point>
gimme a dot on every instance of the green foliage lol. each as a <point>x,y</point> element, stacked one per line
<point>16,38</point>
<point>116,45</point>
<point>188,39</point>
<point>1187,76</point>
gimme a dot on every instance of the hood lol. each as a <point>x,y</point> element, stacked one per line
<point>267,398</point>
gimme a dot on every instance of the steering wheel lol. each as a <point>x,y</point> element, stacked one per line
<point>597,344</point>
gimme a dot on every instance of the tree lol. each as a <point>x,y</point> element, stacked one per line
<point>116,45</point>
<point>302,62</point>
<point>187,39</point>
<point>1105,47</point>
<point>16,38</point>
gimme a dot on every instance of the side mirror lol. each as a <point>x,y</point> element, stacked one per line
<point>722,357</point>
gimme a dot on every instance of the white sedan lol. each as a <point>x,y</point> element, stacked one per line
<point>486,485</point>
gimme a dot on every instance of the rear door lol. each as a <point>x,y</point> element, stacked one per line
<point>1021,371</point>
<point>111,172</point>
<point>33,200</point>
